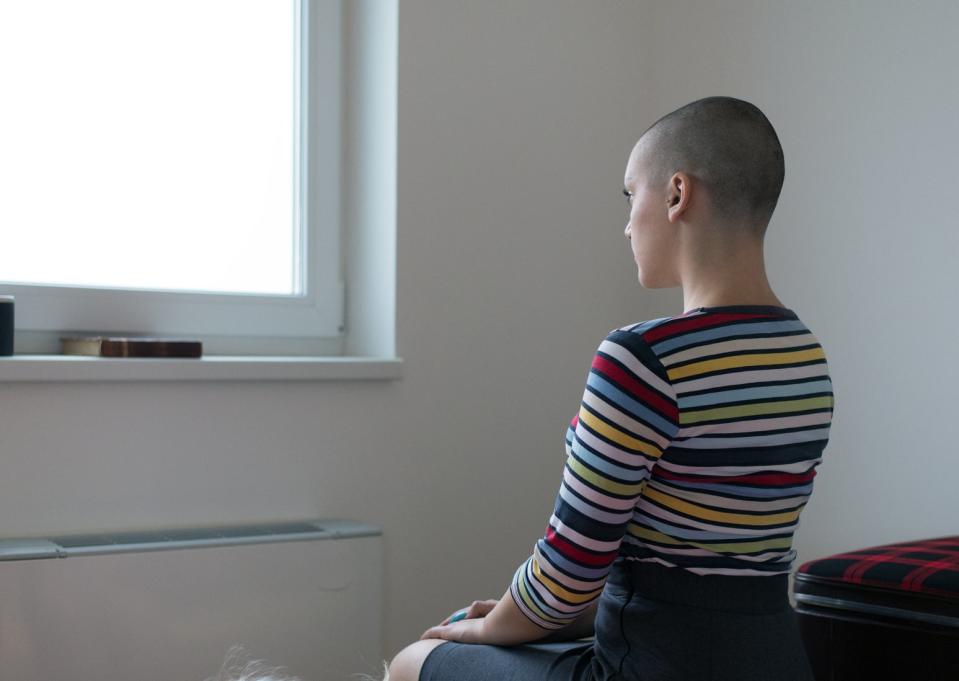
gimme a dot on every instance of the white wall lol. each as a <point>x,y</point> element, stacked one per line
<point>515,122</point>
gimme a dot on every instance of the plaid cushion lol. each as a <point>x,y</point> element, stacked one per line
<point>927,566</point>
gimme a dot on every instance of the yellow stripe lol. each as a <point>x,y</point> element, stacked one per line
<point>616,435</point>
<point>735,361</point>
<point>719,516</point>
<point>531,604</point>
<point>729,547</point>
<point>557,590</point>
<point>687,417</point>
<point>602,482</point>
<point>652,535</point>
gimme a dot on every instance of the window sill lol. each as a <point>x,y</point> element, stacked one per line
<point>209,368</point>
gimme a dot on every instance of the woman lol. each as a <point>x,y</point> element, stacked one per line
<point>691,457</point>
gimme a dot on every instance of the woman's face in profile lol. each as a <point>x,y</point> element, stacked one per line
<point>650,234</point>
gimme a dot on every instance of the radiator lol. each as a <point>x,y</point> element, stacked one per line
<point>167,605</point>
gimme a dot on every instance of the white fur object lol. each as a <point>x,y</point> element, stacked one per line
<point>237,668</point>
<point>386,674</point>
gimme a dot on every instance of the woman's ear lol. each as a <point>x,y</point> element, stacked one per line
<point>679,195</point>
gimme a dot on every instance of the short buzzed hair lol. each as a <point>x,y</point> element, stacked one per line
<point>727,144</point>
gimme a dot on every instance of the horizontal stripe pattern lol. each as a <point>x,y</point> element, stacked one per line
<point>695,446</point>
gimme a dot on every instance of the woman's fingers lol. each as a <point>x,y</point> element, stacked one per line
<point>481,608</point>
<point>458,615</point>
<point>475,609</point>
<point>439,631</point>
<point>467,631</point>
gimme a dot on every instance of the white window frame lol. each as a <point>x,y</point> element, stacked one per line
<point>307,324</point>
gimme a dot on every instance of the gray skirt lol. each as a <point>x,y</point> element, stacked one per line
<point>654,623</point>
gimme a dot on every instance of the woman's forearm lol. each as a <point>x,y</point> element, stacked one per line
<point>506,625</point>
<point>582,627</point>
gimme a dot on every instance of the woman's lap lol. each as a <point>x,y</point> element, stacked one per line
<point>708,646</point>
<point>560,661</point>
<point>653,624</point>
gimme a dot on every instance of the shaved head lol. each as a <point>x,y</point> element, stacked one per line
<point>726,144</point>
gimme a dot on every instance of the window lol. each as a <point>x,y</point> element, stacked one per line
<point>174,168</point>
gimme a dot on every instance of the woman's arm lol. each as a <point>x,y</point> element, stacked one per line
<point>627,418</point>
<point>582,627</point>
<point>506,625</point>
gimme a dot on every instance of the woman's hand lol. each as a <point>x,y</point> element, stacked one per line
<point>503,625</point>
<point>476,609</point>
<point>466,629</point>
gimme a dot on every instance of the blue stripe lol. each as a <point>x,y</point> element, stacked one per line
<point>758,393</point>
<point>607,468</point>
<point>624,402</point>
<point>643,327</point>
<point>744,491</point>
<point>681,532</point>
<point>588,512</point>
<point>718,332</point>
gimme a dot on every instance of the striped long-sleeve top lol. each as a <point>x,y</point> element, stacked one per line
<point>695,446</point>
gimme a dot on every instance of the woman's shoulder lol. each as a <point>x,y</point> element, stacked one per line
<point>677,337</point>
<point>699,319</point>
<point>640,328</point>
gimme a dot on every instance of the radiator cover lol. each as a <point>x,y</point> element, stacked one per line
<point>166,605</point>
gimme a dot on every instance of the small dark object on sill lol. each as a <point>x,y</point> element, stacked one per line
<point>131,346</point>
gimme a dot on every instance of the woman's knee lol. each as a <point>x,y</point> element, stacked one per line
<point>407,663</point>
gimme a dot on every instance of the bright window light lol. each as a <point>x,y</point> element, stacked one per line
<point>149,145</point>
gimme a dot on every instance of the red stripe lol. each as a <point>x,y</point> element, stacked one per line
<point>924,589</point>
<point>695,323</point>
<point>942,563</point>
<point>637,389</point>
<point>575,553</point>
<point>774,479</point>
<point>914,580</point>
<point>889,552</point>
<point>937,544</point>
<point>860,564</point>
<point>854,573</point>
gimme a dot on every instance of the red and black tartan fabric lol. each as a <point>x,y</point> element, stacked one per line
<point>927,566</point>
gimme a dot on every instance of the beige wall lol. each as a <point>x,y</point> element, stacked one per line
<point>515,121</point>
